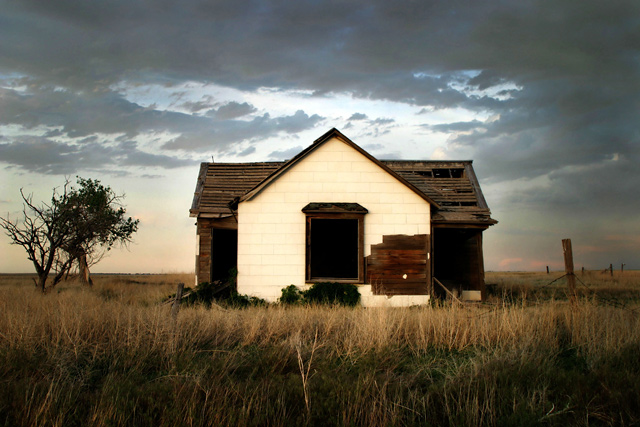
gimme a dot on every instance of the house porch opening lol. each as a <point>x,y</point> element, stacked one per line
<point>224,253</point>
<point>457,260</point>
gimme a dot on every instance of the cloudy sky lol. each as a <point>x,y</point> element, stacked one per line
<point>543,95</point>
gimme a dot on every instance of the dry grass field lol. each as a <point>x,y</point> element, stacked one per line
<point>112,355</point>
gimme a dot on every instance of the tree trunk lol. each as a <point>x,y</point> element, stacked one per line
<point>41,282</point>
<point>83,270</point>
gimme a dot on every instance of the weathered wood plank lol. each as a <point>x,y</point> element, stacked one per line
<point>399,265</point>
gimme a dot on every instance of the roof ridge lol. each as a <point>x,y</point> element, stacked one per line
<point>335,133</point>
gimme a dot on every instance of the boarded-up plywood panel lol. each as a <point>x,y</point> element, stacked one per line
<point>399,265</point>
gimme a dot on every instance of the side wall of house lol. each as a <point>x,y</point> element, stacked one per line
<point>203,250</point>
<point>271,226</point>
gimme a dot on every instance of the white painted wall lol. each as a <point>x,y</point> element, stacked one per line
<point>271,226</point>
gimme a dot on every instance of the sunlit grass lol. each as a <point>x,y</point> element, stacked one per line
<point>111,355</point>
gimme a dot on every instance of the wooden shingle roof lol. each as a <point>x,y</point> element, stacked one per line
<point>451,187</point>
<point>452,184</point>
<point>220,183</point>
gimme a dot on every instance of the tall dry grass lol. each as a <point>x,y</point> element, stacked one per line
<point>110,355</point>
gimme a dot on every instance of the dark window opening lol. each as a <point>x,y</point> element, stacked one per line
<point>448,173</point>
<point>449,203</point>
<point>456,173</point>
<point>333,248</point>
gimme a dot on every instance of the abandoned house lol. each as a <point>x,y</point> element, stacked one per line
<point>401,230</point>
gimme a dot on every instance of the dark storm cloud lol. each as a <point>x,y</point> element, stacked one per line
<point>221,135</point>
<point>374,49</point>
<point>404,51</point>
<point>78,117</point>
<point>232,110</point>
<point>456,127</point>
<point>39,154</point>
<point>196,106</point>
<point>560,79</point>
<point>82,114</point>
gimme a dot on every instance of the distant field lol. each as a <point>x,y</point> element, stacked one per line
<point>622,286</point>
<point>112,355</point>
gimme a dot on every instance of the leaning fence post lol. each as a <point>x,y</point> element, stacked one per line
<point>176,302</point>
<point>611,269</point>
<point>568,268</point>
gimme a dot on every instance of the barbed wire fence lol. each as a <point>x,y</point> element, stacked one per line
<point>570,277</point>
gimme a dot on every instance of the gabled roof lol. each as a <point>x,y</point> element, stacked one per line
<point>333,133</point>
<point>450,186</point>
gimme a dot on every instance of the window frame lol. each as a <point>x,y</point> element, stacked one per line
<point>361,262</point>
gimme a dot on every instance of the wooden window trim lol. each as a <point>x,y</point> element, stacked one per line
<point>361,261</point>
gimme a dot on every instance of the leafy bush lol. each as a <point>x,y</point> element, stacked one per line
<point>209,292</point>
<point>291,295</point>
<point>333,293</point>
<point>322,293</point>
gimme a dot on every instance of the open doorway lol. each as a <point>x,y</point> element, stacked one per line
<point>224,253</point>
<point>457,259</point>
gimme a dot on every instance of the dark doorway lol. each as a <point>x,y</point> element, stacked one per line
<point>224,253</point>
<point>333,248</point>
<point>457,259</point>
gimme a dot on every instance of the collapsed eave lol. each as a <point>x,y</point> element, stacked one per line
<point>471,216</point>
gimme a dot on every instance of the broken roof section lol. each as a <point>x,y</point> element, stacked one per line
<point>452,184</point>
<point>451,187</point>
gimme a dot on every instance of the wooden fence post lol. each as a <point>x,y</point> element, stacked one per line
<point>176,302</point>
<point>547,269</point>
<point>611,269</point>
<point>568,268</point>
